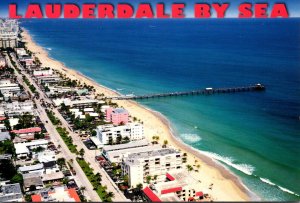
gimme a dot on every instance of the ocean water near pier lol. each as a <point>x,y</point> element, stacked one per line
<point>256,135</point>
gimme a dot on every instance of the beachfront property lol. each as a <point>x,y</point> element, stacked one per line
<point>116,153</point>
<point>21,52</point>
<point>16,108</point>
<point>43,72</point>
<point>151,163</point>
<point>11,193</point>
<point>9,31</point>
<point>26,60</point>
<point>82,103</point>
<point>178,186</point>
<point>62,89</point>
<point>117,116</point>
<point>109,134</point>
<point>48,79</point>
<point>58,194</point>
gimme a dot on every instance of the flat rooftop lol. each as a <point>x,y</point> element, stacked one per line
<point>154,153</point>
<point>133,144</point>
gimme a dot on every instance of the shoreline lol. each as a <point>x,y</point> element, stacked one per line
<point>227,186</point>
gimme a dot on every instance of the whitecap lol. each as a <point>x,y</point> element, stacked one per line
<point>245,168</point>
<point>190,138</point>
<point>265,180</point>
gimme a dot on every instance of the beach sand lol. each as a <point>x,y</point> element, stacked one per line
<point>226,186</point>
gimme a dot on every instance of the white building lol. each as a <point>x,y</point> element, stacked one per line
<point>11,193</point>
<point>151,163</point>
<point>134,131</point>
<point>21,51</point>
<point>9,30</point>
<point>178,186</point>
<point>45,72</point>
<point>8,86</point>
<point>23,149</point>
<point>17,108</point>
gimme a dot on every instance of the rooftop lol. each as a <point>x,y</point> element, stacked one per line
<point>53,176</point>
<point>10,192</point>
<point>120,110</point>
<point>159,152</point>
<point>60,194</point>
<point>31,168</point>
<point>133,144</point>
<point>27,130</point>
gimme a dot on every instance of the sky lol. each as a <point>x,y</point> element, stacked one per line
<point>292,5</point>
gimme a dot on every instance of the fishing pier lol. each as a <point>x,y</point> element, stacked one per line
<point>206,91</point>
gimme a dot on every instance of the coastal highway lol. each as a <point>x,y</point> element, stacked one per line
<point>80,177</point>
<point>89,155</point>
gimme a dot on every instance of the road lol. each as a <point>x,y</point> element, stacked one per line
<point>89,155</point>
<point>80,177</point>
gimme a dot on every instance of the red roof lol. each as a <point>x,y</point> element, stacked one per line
<point>152,196</point>
<point>73,194</point>
<point>170,177</point>
<point>199,194</point>
<point>171,190</point>
<point>36,198</point>
<point>27,130</point>
<point>191,199</point>
<point>2,118</point>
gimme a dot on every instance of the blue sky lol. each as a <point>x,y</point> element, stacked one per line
<point>292,5</point>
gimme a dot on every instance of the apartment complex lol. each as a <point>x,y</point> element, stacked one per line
<point>151,163</point>
<point>109,133</point>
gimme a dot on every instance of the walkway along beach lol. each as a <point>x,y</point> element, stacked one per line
<point>226,186</point>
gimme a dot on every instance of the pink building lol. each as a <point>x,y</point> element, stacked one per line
<point>117,116</point>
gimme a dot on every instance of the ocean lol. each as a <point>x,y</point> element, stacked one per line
<point>256,135</point>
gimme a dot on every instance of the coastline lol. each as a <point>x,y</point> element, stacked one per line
<point>226,186</point>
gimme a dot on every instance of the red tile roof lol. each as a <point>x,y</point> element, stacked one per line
<point>36,198</point>
<point>27,130</point>
<point>199,194</point>
<point>73,194</point>
<point>170,177</point>
<point>152,196</point>
<point>171,190</point>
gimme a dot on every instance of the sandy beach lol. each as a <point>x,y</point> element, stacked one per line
<point>226,186</point>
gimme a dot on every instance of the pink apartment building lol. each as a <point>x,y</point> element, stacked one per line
<point>117,116</point>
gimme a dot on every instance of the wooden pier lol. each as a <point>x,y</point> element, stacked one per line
<point>206,91</point>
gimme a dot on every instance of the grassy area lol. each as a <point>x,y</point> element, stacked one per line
<point>31,87</point>
<point>95,180</point>
<point>52,118</point>
<point>67,139</point>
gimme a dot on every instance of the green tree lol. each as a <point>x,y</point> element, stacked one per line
<point>81,152</point>
<point>148,179</point>
<point>18,178</point>
<point>139,186</point>
<point>61,162</point>
<point>7,147</point>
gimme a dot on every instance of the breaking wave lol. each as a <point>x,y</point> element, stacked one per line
<point>190,138</point>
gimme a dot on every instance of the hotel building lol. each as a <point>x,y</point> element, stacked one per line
<point>134,131</point>
<point>9,30</point>
<point>117,116</point>
<point>151,163</point>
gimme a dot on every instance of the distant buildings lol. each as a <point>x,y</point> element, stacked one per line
<point>9,30</point>
<point>11,193</point>
<point>43,72</point>
<point>117,116</point>
<point>17,108</point>
<point>108,134</point>
<point>151,163</point>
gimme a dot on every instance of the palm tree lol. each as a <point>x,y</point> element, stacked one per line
<point>82,189</point>
<point>165,143</point>
<point>81,153</point>
<point>189,168</point>
<point>110,195</point>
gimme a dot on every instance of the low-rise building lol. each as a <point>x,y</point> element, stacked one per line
<point>32,180</point>
<point>11,193</point>
<point>17,108</point>
<point>43,72</point>
<point>23,149</point>
<point>117,116</point>
<point>36,168</point>
<point>108,134</point>
<point>58,194</point>
<point>151,163</point>
<point>178,186</point>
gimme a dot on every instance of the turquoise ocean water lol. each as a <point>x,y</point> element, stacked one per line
<point>256,135</point>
